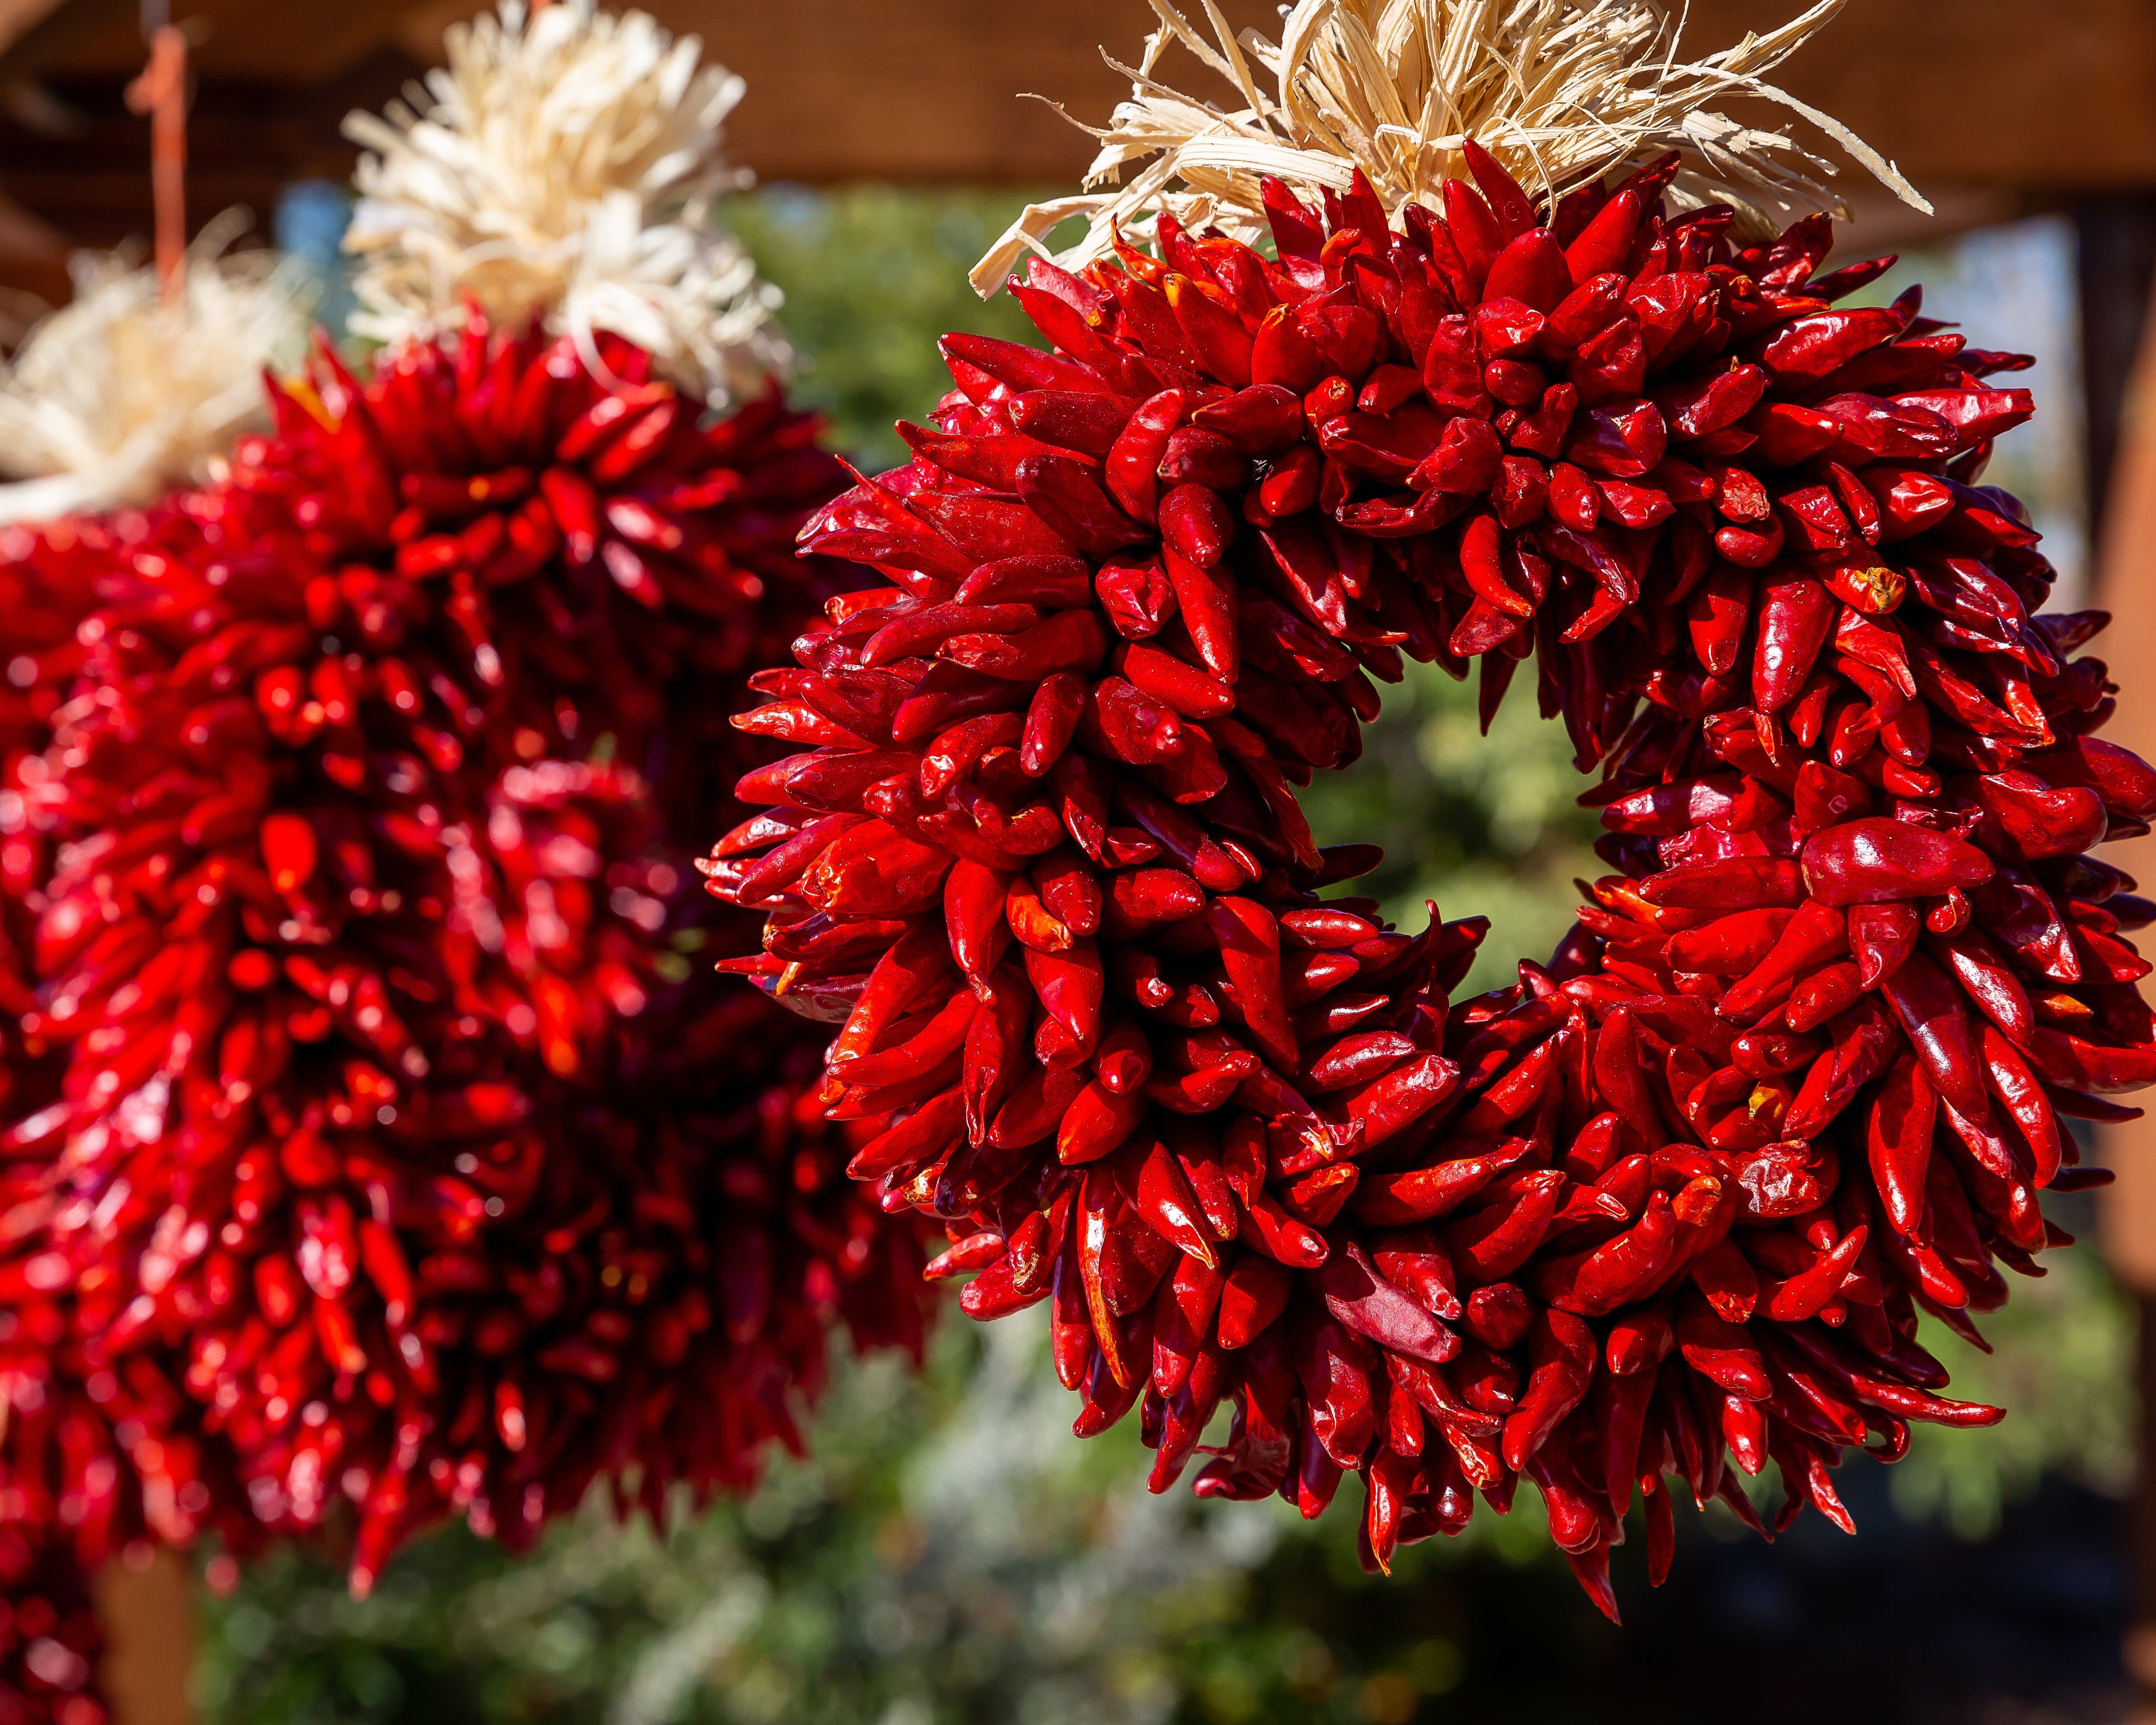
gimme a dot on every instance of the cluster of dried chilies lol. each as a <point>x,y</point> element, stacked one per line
<point>370,1140</point>
<point>1678,1199</point>
<point>376,1147</point>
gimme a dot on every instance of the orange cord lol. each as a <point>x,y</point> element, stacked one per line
<point>161,93</point>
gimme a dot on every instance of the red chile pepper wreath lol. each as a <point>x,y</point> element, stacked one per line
<point>385,1153</point>
<point>1677,1198</point>
<point>372,1161</point>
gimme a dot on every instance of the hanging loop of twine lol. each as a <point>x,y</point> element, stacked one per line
<point>161,93</point>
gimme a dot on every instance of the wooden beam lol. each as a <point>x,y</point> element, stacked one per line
<point>1973,95</point>
<point>2060,97</point>
<point>298,47</point>
<point>923,92</point>
<point>34,254</point>
<point>932,90</point>
<point>26,236</point>
<point>17,16</point>
<point>1970,95</point>
<point>96,37</point>
<point>292,43</point>
<point>246,142</point>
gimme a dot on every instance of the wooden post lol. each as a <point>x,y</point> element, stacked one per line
<point>147,1607</point>
<point>2116,238</point>
<point>2118,242</point>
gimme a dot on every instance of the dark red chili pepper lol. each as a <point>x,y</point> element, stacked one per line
<point>1929,1008</point>
<point>1561,1360</point>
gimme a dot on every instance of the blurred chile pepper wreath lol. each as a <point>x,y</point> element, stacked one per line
<point>1677,1200</point>
<point>372,1154</point>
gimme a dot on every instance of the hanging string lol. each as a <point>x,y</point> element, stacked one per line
<point>161,93</point>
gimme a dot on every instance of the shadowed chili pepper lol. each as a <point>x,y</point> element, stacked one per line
<point>1561,1358</point>
<point>1930,1009</point>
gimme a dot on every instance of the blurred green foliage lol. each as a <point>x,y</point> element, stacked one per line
<point>872,275</point>
<point>1484,826</point>
<point>949,1553</point>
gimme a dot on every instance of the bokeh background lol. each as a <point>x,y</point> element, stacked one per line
<point>951,1555</point>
